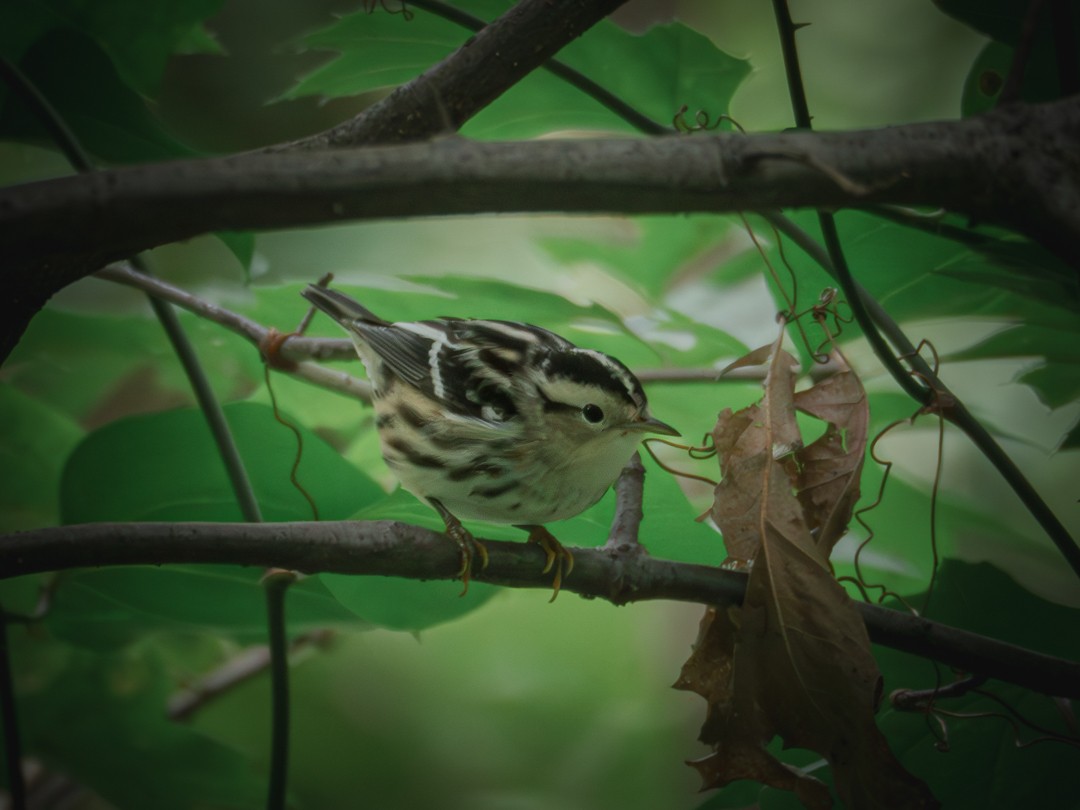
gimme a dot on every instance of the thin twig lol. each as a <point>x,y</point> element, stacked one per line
<point>10,719</point>
<point>276,584</point>
<point>237,670</point>
<point>36,103</point>
<point>295,349</point>
<point>1014,81</point>
<point>919,699</point>
<point>1068,66</point>
<point>799,108</point>
<point>209,405</point>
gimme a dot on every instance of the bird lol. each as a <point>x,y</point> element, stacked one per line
<point>495,420</point>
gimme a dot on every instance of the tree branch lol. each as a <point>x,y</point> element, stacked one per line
<point>388,548</point>
<point>295,352</point>
<point>1017,166</point>
<point>572,77</point>
<point>244,666</point>
<point>451,92</point>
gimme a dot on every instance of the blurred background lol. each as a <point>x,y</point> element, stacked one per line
<point>520,704</point>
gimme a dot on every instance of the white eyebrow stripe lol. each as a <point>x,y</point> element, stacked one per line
<point>438,338</point>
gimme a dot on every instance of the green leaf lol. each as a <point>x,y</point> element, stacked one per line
<point>1055,385</point>
<point>376,51</point>
<point>109,119</point>
<point>67,697</point>
<point>109,608</point>
<point>405,604</point>
<point>655,73</point>
<point>660,250</point>
<point>670,530</point>
<point>138,36</point>
<point>1020,267</point>
<point>984,599</point>
<point>165,466</point>
<point>990,70</point>
<point>1002,20</point>
<point>1071,440</point>
<point>918,274</point>
<point>242,245</point>
<point>1057,381</point>
<point>92,367</point>
<point>1030,340</point>
<point>37,440</point>
<point>24,22</point>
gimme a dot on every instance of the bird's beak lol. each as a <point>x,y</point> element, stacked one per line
<point>650,424</point>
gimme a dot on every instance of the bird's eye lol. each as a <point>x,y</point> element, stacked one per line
<point>592,413</point>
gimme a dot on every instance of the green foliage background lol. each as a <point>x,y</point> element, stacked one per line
<point>498,699</point>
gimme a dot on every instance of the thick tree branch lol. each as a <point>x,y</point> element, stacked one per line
<point>1017,166</point>
<point>388,548</point>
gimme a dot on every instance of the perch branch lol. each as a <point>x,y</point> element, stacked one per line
<point>389,548</point>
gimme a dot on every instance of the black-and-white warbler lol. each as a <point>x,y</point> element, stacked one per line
<point>496,420</point>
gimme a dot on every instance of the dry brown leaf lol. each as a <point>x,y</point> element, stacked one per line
<point>830,468</point>
<point>795,659</point>
<point>747,443</point>
<point>736,737</point>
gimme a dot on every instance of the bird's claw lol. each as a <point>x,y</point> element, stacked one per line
<point>557,556</point>
<point>469,545</point>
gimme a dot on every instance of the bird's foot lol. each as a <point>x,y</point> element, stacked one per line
<point>469,545</point>
<point>558,556</point>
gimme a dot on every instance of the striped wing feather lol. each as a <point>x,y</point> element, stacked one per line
<point>473,366</point>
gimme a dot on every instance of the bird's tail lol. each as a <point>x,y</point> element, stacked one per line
<point>339,306</point>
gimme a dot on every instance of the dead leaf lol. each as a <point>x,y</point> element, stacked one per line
<point>795,659</point>
<point>737,736</point>
<point>830,468</point>
<point>747,443</point>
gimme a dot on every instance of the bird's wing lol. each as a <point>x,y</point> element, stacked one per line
<point>475,367</point>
